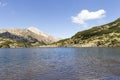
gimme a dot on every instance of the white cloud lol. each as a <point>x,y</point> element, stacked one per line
<point>2,4</point>
<point>86,15</point>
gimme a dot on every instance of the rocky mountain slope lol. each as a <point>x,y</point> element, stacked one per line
<point>107,35</point>
<point>24,37</point>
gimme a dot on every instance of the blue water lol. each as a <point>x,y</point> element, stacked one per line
<point>60,64</point>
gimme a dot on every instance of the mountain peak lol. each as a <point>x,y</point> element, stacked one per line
<point>37,31</point>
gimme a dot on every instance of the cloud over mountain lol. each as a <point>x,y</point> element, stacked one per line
<point>86,15</point>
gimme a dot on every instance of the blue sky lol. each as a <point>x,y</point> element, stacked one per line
<point>55,17</point>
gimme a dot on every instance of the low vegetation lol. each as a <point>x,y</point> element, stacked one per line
<point>107,35</point>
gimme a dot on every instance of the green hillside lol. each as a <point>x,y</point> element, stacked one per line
<point>11,43</point>
<point>107,35</point>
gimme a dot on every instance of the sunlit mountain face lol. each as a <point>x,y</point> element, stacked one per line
<point>32,36</point>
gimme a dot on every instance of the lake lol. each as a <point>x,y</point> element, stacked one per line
<point>60,64</point>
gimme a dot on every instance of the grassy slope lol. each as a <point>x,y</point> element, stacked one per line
<point>10,43</point>
<point>107,35</point>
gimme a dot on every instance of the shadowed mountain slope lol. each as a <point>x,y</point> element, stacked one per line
<point>31,35</point>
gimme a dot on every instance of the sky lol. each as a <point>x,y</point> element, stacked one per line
<point>60,18</point>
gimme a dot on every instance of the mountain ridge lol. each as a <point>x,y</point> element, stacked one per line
<point>107,35</point>
<point>28,35</point>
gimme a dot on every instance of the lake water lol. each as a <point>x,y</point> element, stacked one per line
<point>60,64</point>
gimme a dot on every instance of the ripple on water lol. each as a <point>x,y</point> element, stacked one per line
<point>60,64</point>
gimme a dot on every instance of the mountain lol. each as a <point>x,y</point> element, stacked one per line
<point>107,35</point>
<point>29,37</point>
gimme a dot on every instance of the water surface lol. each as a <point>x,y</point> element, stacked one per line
<point>60,64</point>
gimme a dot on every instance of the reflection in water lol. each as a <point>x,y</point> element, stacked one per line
<point>60,64</point>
